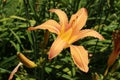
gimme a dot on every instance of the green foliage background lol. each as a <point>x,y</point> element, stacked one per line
<point>17,15</point>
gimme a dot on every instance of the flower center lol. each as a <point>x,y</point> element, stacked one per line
<point>66,35</point>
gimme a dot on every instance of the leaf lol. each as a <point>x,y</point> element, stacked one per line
<point>17,17</point>
<point>11,7</point>
<point>12,58</point>
<point>16,36</point>
<point>2,70</point>
<point>13,43</point>
<point>29,37</point>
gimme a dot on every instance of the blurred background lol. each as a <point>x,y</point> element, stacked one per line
<point>17,15</point>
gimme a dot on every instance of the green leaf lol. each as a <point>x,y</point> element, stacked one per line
<point>29,37</point>
<point>7,60</point>
<point>17,17</point>
<point>4,70</point>
<point>15,35</point>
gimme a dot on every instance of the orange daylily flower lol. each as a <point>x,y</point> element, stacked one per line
<point>68,33</point>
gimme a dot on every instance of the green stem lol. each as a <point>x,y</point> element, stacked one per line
<point>33,34</point>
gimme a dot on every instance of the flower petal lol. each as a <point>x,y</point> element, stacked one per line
<point>57,46</point>
<point>80,57</point>
<point>79,19</point>
<point>62,16</point>
<point>85,33</point>
<point>51,25</point>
